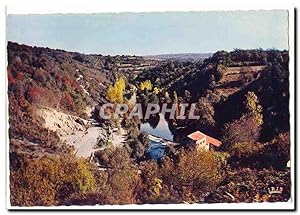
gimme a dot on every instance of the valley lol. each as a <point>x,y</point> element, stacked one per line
<point>236,151</point>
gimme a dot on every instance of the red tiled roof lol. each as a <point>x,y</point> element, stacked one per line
<point>213,141</point>
<point>197,135</point>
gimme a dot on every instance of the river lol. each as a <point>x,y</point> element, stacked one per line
<point>161,130</point>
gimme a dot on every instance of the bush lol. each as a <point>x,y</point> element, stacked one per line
<point>246,154</point>
<point>277,152</point>
<point>34,93</point>
<point>250,185</point>
<point>40,75</point>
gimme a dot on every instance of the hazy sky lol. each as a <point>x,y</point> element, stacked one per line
<point>152,33</point>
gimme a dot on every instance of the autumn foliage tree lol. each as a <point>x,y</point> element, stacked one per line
<point>247,128</point>
<point>50,179</point>
<point>67,102</point>
<point>122,174</point>
<point>34,93</point>
<point>115,92</point>
<point>188,180</point>
<point>253,107</point>
<point>206,111</point>
<point>146,85</point>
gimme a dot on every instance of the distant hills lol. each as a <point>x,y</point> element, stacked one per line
<point>180,56</point>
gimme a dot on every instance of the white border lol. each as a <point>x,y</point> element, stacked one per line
<point>89,6</point>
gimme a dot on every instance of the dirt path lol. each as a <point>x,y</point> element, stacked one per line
<point>84,141</point>
<point>118,138</point>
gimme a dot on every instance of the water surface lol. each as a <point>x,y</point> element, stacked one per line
<point>161,130</point>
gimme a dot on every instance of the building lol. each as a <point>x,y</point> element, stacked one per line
<point>203,141</point>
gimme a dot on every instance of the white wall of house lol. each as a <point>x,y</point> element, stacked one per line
<point>201,144</point>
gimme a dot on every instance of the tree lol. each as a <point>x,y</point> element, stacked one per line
<point>187,96</point>
<point>115,93</point>
<point>277,152</point>
<point>220,72</point>
<point>67,102</point>
<point>244,129</point>
<point>253,107</point>
<point>122,174</point>
<point>155,90</point>
<point>138,145</point>
<point>113,157</point>
<point>246,154</point>
<point>40,75</point>
<point>146,85</point>
<point>49,180</point>
<point>248,127</point>
<point>196,173</point>
<point>34,93</point>
<point>206,112</point>
<point>251,185</point>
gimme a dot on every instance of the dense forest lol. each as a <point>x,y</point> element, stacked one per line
<point>242,98</point>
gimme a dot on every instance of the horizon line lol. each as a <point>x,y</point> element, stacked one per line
<point>142,55</point>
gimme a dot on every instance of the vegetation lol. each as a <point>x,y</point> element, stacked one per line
<point>115,92</point>
<point>49,180</point>
<point>146,85</point>
<point>242,98</point>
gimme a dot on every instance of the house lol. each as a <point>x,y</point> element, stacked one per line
<point>203,141</point>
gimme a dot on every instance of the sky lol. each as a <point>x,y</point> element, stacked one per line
<point>152,33</point>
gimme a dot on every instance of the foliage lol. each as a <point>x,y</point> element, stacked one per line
<point>34,93</point>
<point>137,144</point>
<point>206,111</point>
<point>247,128</point>
<point>155,90</point>
<point>122,175</point>
<point>113,157</point>
<point>146,85</point>
<point>37,75</point>
<point>115,92</point>
<point>244,149</point>
<point>220,72</point>
<point>277,152</point>
<point>196,173</point>
<point>250,185</point>
<point>244,129</point>
<point>40,75</point>
<point>48,180</point>
<point>253,107</point>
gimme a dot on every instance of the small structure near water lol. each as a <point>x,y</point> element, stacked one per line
<point>203,141</point>
<point>159,145</point>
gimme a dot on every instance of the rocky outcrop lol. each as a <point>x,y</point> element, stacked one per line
<point>61,123</point>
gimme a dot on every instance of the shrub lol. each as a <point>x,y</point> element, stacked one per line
<point>34,93</point>
<point>40,75</point>
<point>277,152</point>
<point>67,102</point>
